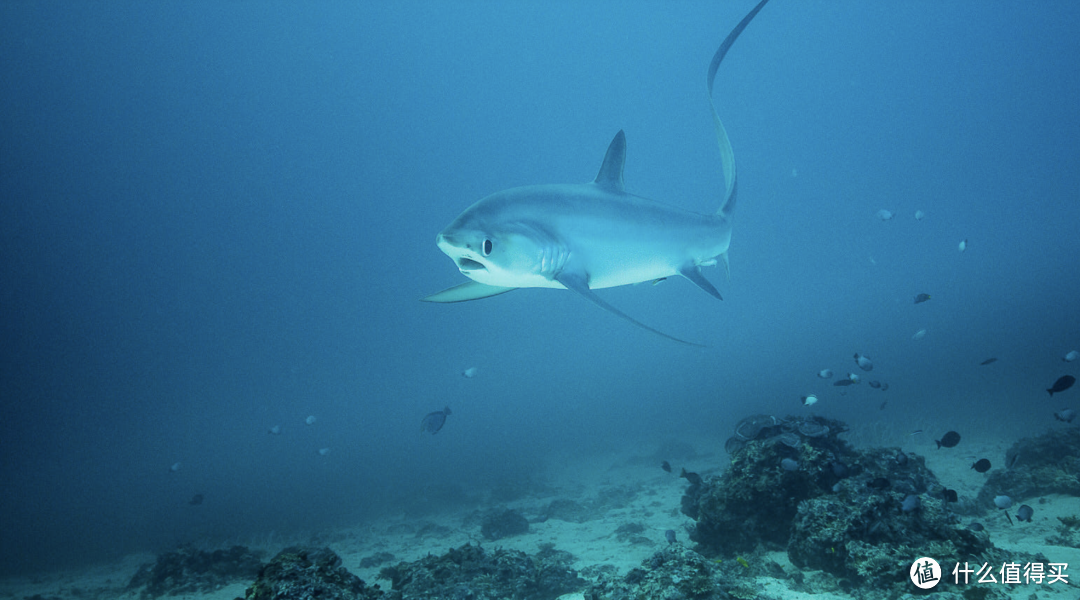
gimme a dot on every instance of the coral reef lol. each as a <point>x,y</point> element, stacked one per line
<point>470,573</point>
<point>1036,466</point>
<point>756,499</point>
<point>300,573</point>
<point>679,573</point>
<point>188,571</point>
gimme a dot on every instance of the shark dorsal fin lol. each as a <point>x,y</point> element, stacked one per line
<point>610,175</point>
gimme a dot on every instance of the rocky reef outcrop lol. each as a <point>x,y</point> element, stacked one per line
<point>301,573</point>
<point>188,570</point>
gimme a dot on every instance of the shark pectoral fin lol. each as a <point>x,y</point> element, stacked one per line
<point>693,273</point>
<point>579,283</point>
<point>470,290</point>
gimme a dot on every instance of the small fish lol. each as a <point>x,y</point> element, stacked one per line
<point>963,245</point>
<point>920,334</point>
<point>1024,513</point>
<point>275,430</point>
<point>789,464</point>
<point>864,362</point>
<point>469,373</point>
<point>874,384</point>
<point>884,386</point>
<point>742,561</point>
<point>853,378</point>
<point>843,382</point>
<point>324,451</point>
<point>976,526</point>
<point>669,535</point>
<point>910,503</point>
<point>884,215</point>
<point>921,298</point>
<point>1063,383</point>
<point>1003,502</point>
<point>919,215</point>
<point>666,466</point>
<point>1071,356</point>
<point>175,467</point>
<point>981,466</point>
<point>433,422</point>
<point>196,500</point>
<point>839,469</point>
<point>310,420</point>
<point>949,440</point>
<point>1067,415</point>
<point>693,478</point>
<point>878,483</point>
<point>883,404</point>
<point>988,361</point>
<point>809,400</point>
<point>916,432</point>
<point>825,373</point>
<point>901,459</point>
<point>950,495</point>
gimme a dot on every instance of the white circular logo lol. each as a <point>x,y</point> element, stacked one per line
<point>925,573</point>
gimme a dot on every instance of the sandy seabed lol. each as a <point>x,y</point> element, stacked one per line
<point>653,502</point>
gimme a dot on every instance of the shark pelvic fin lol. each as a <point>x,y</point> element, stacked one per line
<point>693,273</point>
<point>610,176</point>
<point>470,290</point>
<point>579,283</point>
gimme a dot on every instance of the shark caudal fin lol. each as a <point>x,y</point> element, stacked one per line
<point>727,155</point>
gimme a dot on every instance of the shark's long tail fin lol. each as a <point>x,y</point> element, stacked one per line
<point>727,155</point>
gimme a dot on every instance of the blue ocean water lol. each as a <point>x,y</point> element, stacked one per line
<point>216,218</point>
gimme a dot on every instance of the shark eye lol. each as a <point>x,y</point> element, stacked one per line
<point>487,247</point>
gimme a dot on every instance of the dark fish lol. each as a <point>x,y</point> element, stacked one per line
<point>843,382</point>
<point>1063,383</point>
<point>693,478</point>
<point>433,422</point>
<point>911,502</point>
<point>921,298</point>
<point>949,440</point>
<point>670,536</point>
<point>949,495</point>
<point>789,464</point>
<point>839,469</point>
<point>1024,513</point>
<point>1066,415</point>
<point>666,466</point>
<point>196,500</point>
<point>878,483</point>
<point>981,466</point>
<point>901,459</point>
<point>874,384</point>
<point>988,361</point>
<point>976,526</point>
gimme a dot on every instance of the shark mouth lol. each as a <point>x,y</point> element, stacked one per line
<point>467,264</point>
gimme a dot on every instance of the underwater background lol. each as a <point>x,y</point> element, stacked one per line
<point>217,218</point>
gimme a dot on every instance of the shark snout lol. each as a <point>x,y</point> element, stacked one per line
<point>464,257</point>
